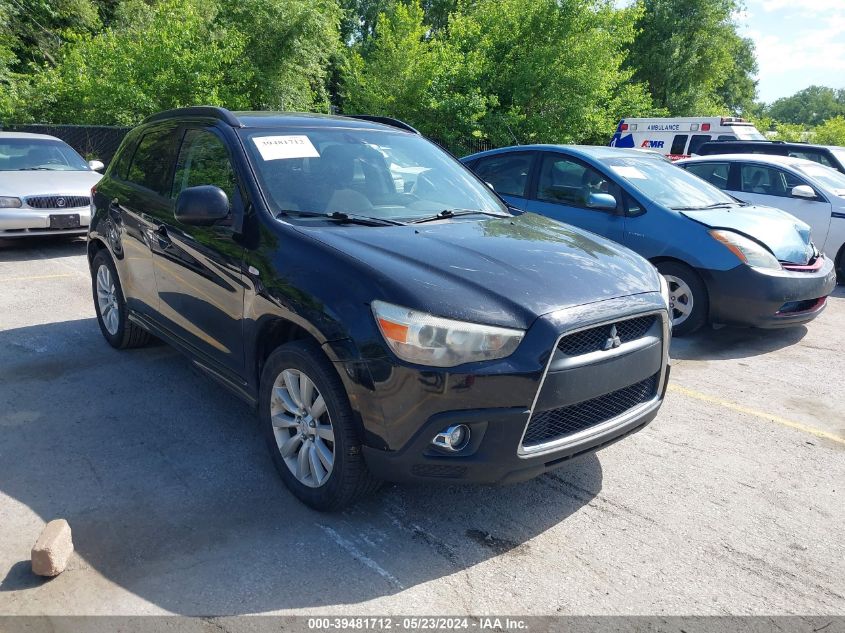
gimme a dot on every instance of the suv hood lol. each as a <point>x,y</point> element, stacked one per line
<point>42,182</point>
<point>784,234</point>
<point>502,272</point>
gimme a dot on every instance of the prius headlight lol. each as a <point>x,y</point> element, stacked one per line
<point>419,337</point>
<point>748,251</point>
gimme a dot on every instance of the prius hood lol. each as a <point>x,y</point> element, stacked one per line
<point>504,271</point>
<point>783,234</point>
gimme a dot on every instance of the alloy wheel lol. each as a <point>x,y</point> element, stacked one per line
<point>107,299</point>
<point>302,428</point>
<point>680,299</point>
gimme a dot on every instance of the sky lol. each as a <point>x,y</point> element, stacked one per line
<point>799,43</point>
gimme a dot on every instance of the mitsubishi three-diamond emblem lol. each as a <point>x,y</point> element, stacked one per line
<point>613,340</point>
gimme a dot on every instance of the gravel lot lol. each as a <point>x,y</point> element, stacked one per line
<point>731,502</point>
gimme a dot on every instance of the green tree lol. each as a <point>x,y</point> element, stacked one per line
<point>810,106</point>
<point>245,54</point>
<point>689,54</point>
<point>831,132</point>
<point>509,71</point>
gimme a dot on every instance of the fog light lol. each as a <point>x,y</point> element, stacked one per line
<point>452,438</point>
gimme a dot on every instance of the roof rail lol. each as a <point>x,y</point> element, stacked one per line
<point>212,112</point>
<point>384,120</point>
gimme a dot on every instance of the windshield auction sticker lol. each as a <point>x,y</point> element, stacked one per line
<point>279,147</point>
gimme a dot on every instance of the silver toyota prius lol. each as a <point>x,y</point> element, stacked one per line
<point>45,186</point>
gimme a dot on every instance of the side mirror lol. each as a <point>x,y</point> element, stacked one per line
<point>96,165</point>
<point>202,206</point>
<point>804,191</point>
<point>601,202</point>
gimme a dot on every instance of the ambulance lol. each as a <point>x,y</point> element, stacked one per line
<point>682,136</point>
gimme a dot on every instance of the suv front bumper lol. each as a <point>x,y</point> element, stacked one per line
<point>497,403</point>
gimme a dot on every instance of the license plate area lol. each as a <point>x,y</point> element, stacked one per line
<point>65,221</point>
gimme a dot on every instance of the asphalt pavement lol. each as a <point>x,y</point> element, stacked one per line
<point>730,502</point>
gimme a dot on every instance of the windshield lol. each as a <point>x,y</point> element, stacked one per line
<point>828,177</point>
<point>373,173</point>
<point>748,133</point>
<point>26,154</point>
<point>668,184</point>
<point>839,153</point>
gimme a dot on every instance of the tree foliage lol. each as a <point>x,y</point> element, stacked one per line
<point>478,77</point>
<point>244,54</point>
<point>810,106</point>
<point>691,57</point>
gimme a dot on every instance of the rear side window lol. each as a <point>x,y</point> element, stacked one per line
<point>714,173</point>
<point>768,181</point>
<point>726,137</point>
<point>153,161</point>
<point>816,157</point>
<point>507,173</point>
<point>697,141</point>
<point>679,143</point>
<point>120,163</point>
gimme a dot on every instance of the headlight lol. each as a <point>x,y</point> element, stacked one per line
<point>748,251</point>
<point>664,290</point>
<point>418,337</point>
<point>9,203</point>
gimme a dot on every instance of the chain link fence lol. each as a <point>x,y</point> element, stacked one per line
<point>91,141</point>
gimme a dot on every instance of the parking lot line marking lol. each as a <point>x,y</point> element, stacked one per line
<point>36,277</point>
<point>692,393</point>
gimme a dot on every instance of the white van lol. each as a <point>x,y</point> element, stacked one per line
<point>682,136</point>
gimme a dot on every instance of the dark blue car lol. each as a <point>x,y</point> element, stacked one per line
<point>725,261</point>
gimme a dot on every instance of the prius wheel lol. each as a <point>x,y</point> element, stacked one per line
<point>309,428</point>
<point>111,307</point>
<point>688,299</point>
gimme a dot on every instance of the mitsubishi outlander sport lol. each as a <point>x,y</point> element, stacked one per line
<point>380,306</point>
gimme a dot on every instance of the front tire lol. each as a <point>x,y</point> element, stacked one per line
<point>689,303</point>
<point>309,428</point>
<point>110,306</point>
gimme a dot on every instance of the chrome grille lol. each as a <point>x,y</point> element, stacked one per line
<point>556,423</point>
<point>58,202</point>
<point>595,339</point>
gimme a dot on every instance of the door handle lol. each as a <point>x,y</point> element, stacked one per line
<point>162,236</point>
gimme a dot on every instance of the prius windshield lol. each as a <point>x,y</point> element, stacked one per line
<point>392,176</point>
<point>668,185</point>
<point>828,177</point>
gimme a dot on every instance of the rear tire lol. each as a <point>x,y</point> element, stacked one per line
<point>110,306</point>
<point>317,456</point>
<point>689,303</point>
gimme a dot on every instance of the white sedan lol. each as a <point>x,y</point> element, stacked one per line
<point>806,189</point>
<point>45,186</point>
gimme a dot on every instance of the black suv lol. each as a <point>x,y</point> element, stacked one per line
<point>378,304</point>
<point>830,156</point>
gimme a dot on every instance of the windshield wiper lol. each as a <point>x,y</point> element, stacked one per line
<point>36,169</point>
<point>717,205</point>
<point>453,213</point>
<point>348,218</point>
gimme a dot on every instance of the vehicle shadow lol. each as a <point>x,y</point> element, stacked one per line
<point>166,483</point>
<point>734,342</point>
<point>46,247</point>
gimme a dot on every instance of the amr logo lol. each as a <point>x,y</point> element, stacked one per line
<point>653,144</point>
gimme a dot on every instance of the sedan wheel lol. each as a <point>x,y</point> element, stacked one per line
<point>681,300</point>
<point>302,428</point>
